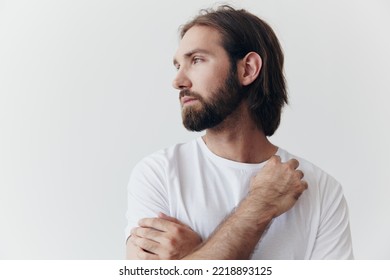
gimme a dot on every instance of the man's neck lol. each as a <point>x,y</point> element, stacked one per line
<point>239,139</point>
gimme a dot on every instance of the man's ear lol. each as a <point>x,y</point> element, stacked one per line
<point>248,68</point>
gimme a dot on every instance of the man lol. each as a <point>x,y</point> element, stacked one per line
<point>232,194</point>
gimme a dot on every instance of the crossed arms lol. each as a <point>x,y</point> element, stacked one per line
<point>273,191</point>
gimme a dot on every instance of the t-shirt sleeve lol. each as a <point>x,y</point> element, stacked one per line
<point>333,239</point>
<point>146,193</point>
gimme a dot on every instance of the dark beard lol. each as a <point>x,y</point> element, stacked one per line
<point>222,103</point>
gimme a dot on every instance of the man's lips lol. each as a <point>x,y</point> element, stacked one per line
<point>187,99</point>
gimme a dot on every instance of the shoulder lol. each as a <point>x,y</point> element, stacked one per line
<point>310,170</point>
<point>155,172</point>
<point>166,158</point>
<point>319,181</point>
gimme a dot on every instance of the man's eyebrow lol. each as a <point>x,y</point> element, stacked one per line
<point>191,53</point>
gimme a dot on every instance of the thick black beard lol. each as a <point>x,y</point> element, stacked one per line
<point>223,102</point>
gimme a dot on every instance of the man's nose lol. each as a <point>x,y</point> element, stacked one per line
<point>181,81</point>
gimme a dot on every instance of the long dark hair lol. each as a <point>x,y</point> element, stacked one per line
<point>243,32</point>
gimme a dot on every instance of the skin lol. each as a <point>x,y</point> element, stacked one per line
<point>161,238</point>
<point>202,65</point>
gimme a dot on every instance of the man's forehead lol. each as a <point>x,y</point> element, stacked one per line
<point>206,39</point>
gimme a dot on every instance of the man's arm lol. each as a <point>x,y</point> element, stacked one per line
<point>161,238</point>
<point>334,236</point>
<point>236,237</point>
<point>273,191</point>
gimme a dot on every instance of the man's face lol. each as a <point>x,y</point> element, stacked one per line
<point>208,84</point>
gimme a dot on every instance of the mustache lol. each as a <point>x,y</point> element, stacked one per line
<point>187,92</point>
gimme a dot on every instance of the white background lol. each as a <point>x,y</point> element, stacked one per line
<point>85,93</point>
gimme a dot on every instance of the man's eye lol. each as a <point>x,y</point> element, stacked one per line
<point>197,60</point>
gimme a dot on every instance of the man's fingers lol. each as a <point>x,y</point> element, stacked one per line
<point>149,233</point>
<point>293,163</point>
<point>156,223</point>
<point>300,173</point>
<point>169,218</point>
<point>144,255</point>
<point>148,245</point>
<point>275,158</point>
<point>166,224</point>
<point>303,187</point>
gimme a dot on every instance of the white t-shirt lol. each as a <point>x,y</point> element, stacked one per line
<point>189,182</point>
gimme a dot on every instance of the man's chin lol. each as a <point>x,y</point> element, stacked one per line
<point>194,126</point>
<point>196,118</point>
<point>198,125</point>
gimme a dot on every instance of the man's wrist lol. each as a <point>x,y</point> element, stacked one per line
<point>255,212</point>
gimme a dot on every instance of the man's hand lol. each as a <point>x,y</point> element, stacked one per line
<point>277,186</point>
<point>273,191</point>
<point>163,238</point>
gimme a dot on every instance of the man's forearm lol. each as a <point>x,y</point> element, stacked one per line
<point>237,236</point>
<point>272,192</point>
